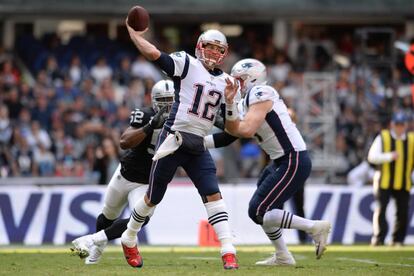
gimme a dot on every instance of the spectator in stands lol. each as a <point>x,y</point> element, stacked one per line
<point>26,96</point>
<point>106,159</point>
<point>38,136</point>
<point>45,161</point>
<point>135,94</point>
<point>23,156</point>
<point>76,71</point>
<point>67,93</point>
<point>53,72</point>
<point>279,71</point>
<point>42,112</point>
<point>123,74</point>
<point>12,100</point>
<point>142,68</point>
<point>9,75</point>
<point>101,70</point>
<point>5,127</point>
<point>6,161</point>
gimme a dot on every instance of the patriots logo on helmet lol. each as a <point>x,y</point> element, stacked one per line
<point>258,94</point>
<point>247,65</point>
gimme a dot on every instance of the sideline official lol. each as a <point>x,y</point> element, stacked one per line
<point>393,153</point>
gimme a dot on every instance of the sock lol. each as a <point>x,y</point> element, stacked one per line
<point>102,222</point>
<point>283,219</point>
<point>100,237</point>
<point>137,219</point>
<point>219,219</point>
<point>116,229</point>
<point>275,236</point>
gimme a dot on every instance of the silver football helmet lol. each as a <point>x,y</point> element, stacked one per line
<point>162,94</point>
<point>251,71</point>
<point>208,57</point>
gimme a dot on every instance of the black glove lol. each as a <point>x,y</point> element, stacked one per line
<point>219,123</point>
<point>159,119</point>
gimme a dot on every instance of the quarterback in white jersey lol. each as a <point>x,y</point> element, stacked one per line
<point>200,95</point>
<point>265,117</point>
<point>199,91</point>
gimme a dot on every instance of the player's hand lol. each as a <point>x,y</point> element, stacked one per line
<point>395,155</point>
<point>132,33</point>
<point>231,90</point>
<point>159,119</point>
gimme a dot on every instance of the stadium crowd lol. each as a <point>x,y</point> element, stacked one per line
<point>67,120</point>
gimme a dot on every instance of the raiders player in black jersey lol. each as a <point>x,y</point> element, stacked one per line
<point>130,180</point>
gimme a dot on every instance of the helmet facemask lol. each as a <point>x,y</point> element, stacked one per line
<point>211,57</point>
<point>162,94</point>
<point>211,48</point>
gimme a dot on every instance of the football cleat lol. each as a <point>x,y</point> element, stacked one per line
<point>280,258</point>
<point>81,246</point>
<point>132,256</point>
<point>229,261</point>
<point>319,234</point>
<point>95,253</point>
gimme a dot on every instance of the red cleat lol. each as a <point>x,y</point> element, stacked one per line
<point>132,256</point>
<point>229,261</point>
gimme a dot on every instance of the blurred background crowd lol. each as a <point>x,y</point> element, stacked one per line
<point>65,101</point>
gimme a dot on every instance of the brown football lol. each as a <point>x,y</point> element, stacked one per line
<point>138,18</point>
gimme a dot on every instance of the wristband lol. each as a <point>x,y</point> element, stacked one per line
<point>147,129</point>
<point>232,114</point>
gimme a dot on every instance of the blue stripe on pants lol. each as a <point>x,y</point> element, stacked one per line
<point>279,182</point>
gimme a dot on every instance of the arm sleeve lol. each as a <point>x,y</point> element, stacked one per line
<point>219,140</point>
<point>375,154</point>
<point>166,63</point>
<point>181,64</point>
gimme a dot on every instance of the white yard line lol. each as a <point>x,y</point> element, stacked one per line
<point>367,261</point>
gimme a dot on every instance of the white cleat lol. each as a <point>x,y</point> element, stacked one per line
<point>280,258</point>
<point>319,234</point>
<point>95,253</point>
<point>82,245</point>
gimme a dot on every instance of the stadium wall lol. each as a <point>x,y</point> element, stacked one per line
<point>55,215</point>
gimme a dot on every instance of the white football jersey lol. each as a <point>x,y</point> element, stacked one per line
<point>199,98</point>
<point>278,134</point>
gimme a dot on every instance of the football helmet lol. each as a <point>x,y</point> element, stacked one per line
<point>162,94</point>
<point>251,72</point>
<point>211,58</point>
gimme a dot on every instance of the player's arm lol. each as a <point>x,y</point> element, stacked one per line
<point>254,117</point>
<point>150,52</point>
<point>251,122</point>
<point>219,140</point>
<point>137,132</point>
<point>132,137</point>
<point>147,49</point>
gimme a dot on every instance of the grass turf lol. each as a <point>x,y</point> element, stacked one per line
<point>338,260</point>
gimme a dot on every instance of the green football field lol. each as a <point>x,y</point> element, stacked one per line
<point>338,260</point>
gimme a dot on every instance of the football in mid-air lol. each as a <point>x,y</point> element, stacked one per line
<point>138,18</point>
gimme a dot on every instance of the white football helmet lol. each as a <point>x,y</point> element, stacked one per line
<point>251,71</point>
<point>162,94</point>
<point>208,57</point>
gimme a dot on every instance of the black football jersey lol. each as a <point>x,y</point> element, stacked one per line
<point>136,162</point>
